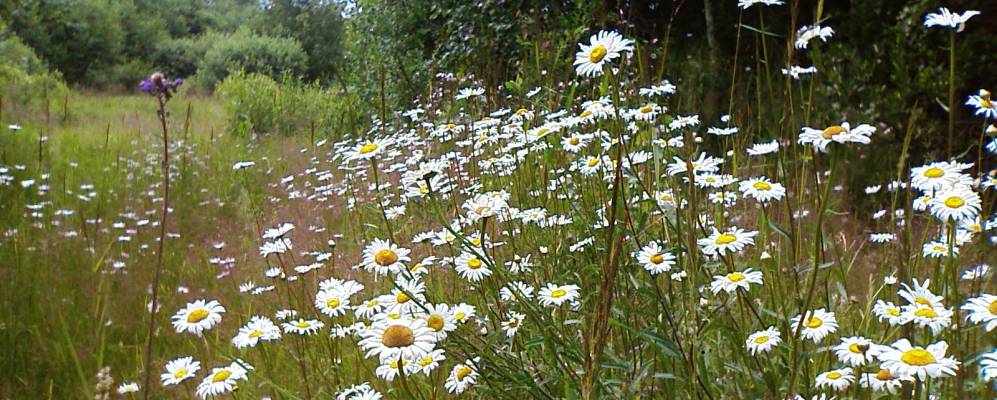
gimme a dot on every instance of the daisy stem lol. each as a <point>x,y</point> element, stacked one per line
<point>951,110</point>
<point>818,247</point>
<point>380,202</point>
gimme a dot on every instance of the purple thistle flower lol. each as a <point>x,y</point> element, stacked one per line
<point>146,86</point>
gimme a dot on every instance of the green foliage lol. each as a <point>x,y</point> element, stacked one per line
<point>270,56</point>
<point>257,104</point>
<point>180,57</point>
<point>316,24</point>
<point>24,79</point>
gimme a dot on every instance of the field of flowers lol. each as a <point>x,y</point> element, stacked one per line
<point>593,239</point>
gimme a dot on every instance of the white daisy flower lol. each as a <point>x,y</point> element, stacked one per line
<point>734,280</point>
<point>763,341</point>
<point>958,203</point>
<point>198,316</point>
<point>856,351</point>
<point>382,257</point>
<point>884,381</point>
<point>733,240</point>
<point>889,312</point>
<point>762,189</point>
<point>760,149</point>
<point>470,267</point>
<point>817,325</point>
<point>843,133</point>
<point>836,379</point>
<point>391,339</point>
<point>903,359</point>
<point>947,19</point>
<point>369,149</point>
<point>462,376</point>
<point>179,370</point>
<point>440,320</point>
<point>807,33</point>
<point>302,326</point>
<point>654,259</point>
<point>982,310</point>
<point>556,295</point>
<point>603,46</point>
<point>257,329</point>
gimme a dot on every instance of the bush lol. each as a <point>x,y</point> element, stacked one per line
<point>251,53</point>
<point>257,104</point>
<point>24,79</point>
<point>179,57</point>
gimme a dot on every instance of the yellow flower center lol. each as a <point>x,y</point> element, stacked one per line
<point>598,53</point>
<point>954,202</point>
<point>922,301</point>
<point>180,374</point>
<point>451,126</point>
<point>396,365</point>
<point>646,109</point>
<point>332,303</point>
<point>221,375</point>
<point>398,336</point>
<point>735,277</point>
<point>993,308</point>
<point>436,322</point>
<point>834,375</point>
<point>585,114</point>
<point>918,357</point>
<point>367,148</point>
<point>574,141</point>
<point>593,162</point>
<point>833,131</point>
<point>926,312</point>
<point>726,238</point>
<point>761,340</point>
<point>762,186</point>
<point>521,111</point>
<point>934,172</point>
<point>425,361</point>
<point>474,263</point>
<point>197,315</point>
<point>385,257</point>
<point>482,210</point>
<point>463,373</point>
<point>893,312</point>
<point>558,293</point>
<point>814,322</point>
<point>460,316</point>
<point>255,334</point>
<point>657,259</point>
<point>854,348</point>
<point>884,375</point>
<point>303,324</point>
<point>401,297</point>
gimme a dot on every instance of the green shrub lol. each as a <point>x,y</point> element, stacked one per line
<point>257,104</point>
<point>251,53</point>
<point>25,80</point>
<point>179,57</point>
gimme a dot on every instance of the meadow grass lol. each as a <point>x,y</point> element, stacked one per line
<point>557,247</point>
